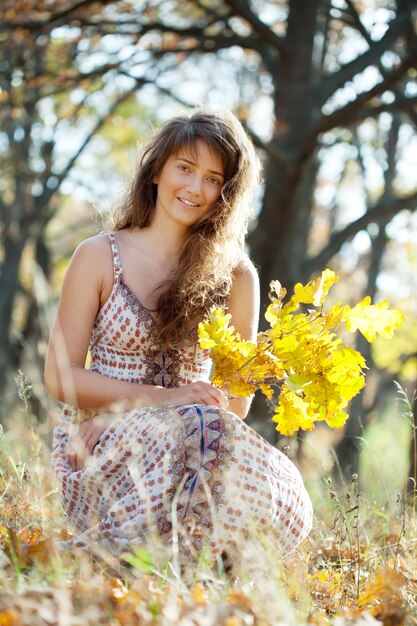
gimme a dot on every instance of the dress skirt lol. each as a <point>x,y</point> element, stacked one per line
<point>197,469</point>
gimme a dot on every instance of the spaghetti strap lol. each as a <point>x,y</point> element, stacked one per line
<point>117,265</point>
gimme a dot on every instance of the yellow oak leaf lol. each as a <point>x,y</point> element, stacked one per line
<point>372,319</point>
<point>267,390</point>
<point>291,413</point>
<point>336,315</point>
<point>315,291</point>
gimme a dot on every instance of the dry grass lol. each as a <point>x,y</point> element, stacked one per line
<point>358,566</point>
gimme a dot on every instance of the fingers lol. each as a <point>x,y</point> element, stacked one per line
<point>211,395</point>
<point>218,396</point>
<point>81,452</point>
<point>76,453</point>
<point>84,438</point>
<point>77,448</point>
<point>87,436</point>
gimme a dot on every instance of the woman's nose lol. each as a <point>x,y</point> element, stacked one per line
<point>195,184</point>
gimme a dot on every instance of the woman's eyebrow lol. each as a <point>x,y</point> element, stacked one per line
<point>181,158</point>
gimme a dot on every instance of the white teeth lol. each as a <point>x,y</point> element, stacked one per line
<point>188,202</point>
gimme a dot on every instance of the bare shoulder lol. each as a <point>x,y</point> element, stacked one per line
<point>245,278</point>
<point>243,302</point>
<point>94,256</point>
<point>92,265</point>
<point>96,247</point>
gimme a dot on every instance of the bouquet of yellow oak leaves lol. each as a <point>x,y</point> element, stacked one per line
<point>300,353</point>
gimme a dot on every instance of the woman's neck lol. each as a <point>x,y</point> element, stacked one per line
<point>167,244</point>
<point>168,238</point>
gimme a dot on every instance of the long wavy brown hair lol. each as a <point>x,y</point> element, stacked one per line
<point>214,249</point>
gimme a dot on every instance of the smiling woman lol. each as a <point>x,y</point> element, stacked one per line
<point>143,430</point>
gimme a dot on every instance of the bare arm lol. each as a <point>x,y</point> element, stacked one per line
<point>244,309</point>
<point>87,284</point>
<point>89,277</point>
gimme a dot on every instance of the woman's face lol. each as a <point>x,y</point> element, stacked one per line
<point>189,184</point>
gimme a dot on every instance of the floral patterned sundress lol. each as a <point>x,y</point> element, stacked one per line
<point>199,467</point>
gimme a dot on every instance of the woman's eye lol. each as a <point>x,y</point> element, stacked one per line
<point>183,168</point>
<point>214,181</point>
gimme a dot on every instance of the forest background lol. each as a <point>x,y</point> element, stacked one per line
<point>328,91</point>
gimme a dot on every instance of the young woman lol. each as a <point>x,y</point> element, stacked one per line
<point>144,440</point>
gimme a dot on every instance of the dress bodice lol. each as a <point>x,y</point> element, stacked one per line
<point>124,341</point>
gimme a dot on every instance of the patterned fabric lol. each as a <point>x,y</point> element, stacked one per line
<point>195,467</point>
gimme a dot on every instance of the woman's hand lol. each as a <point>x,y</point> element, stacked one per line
<point>199,392</point>
<point>84,437</point>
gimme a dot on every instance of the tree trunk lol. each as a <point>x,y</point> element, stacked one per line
<point>347,451</point>
<point>9,287</point>
<point>279,247</point>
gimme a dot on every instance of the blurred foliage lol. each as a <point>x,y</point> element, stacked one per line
<point>326,89</point>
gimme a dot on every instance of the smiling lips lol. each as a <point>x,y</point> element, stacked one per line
<point>188,202</point>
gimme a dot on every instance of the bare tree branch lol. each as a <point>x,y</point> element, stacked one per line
<point>272,151</point>
<point>357,23</point>
<point>325,38</point>
<point>344,114</point>
<point>399,104</point>
<point>63,15</point>
<point>52,20</point>
<point>3,209</point>
<point>330,84</point>
<point>213,44</point>
<point>242,9</point>
<point>48,193</point>
<point>67,82</point>
<point>142,28</point>
<point>385,209</point>
<point>99,124</point>
<point>412,114</point>
<point>401,101</point>
<point>361,162</point>
<point>105,27</point>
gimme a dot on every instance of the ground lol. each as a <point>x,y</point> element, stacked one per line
<point>358,566</point>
